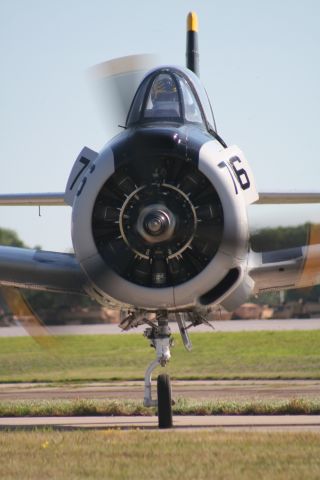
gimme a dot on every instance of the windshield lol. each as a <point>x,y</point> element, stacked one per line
<point>191,109</point>
<point>166,95</point>
<point>163,99</point>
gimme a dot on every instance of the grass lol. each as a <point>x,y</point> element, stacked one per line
<point>82,407</point>
<point>134,455</point>
<point>242,355</point>
<point>113,454</point>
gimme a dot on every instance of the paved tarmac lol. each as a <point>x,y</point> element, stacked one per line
<point>227,390</point>
<point>206,390</point>
<point>218,326</point>
<point>182,423</point>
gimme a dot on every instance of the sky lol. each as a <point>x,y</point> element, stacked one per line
<point>259,62</point>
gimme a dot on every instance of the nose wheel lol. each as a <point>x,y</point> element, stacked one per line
<point>164,401</point>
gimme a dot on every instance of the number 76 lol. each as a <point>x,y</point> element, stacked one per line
<point>240,173</point>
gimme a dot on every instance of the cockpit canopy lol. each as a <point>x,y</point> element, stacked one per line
<point>169,94</point>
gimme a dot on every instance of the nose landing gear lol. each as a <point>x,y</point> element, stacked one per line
<point>159,335</point>
<point>160,338</point>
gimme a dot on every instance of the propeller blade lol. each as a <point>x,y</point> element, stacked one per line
<point>18,305</point>
<point>115,83</point>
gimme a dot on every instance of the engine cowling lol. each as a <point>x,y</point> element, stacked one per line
<point>156,223</point>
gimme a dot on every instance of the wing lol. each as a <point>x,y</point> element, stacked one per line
<point>288,268</point>
<point>41,270</point>
<point>38,199</point>
<point>273,198</point>
<point>60,272</point>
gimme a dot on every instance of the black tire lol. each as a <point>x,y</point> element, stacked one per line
<point>164,401</point>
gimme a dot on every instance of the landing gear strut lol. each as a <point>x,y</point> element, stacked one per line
<point>160,338</point>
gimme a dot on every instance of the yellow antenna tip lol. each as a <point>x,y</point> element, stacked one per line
<point>192,22</point>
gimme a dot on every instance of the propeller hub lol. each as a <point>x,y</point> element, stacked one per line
<point>156,223</point>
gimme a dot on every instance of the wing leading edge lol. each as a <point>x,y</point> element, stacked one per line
<point>37,199</point>
<point>41,270</point>
<point>59,198</point>
<point>285,198</point>
<point>288,268</point>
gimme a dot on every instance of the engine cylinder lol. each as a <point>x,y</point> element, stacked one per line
<point>163,220</point>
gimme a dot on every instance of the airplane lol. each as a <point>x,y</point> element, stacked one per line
<point>159,216</point>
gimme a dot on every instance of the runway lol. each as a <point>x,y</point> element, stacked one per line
<point>197,390</point>
<point>218,326</point>
<point>183,423</point>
